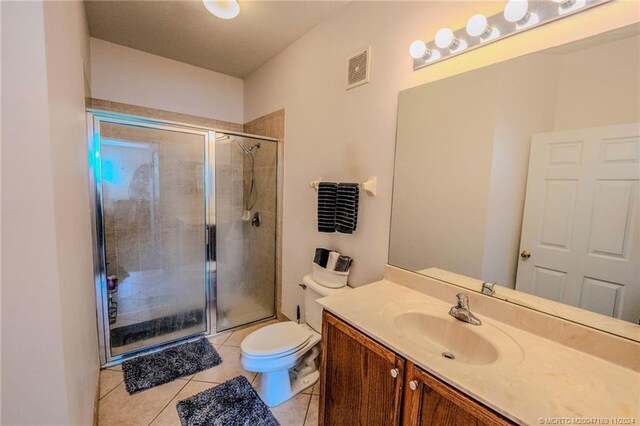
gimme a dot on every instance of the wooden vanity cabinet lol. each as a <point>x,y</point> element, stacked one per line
<point>361,381</point>
<point>430,402</point>
<point>365,383</point>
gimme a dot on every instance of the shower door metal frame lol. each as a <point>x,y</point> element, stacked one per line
<point>94,118</point>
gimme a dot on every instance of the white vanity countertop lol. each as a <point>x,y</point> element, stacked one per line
<point>540,379</point>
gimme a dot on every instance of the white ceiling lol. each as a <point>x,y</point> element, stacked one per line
<point>185,31</point>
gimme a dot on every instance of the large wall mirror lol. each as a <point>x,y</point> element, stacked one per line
<point>526,173</point>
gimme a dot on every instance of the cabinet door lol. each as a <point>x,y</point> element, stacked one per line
<point>428,401</point>
<point>361,381</point>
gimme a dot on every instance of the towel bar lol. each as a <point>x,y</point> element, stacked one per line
<point>370,186</point>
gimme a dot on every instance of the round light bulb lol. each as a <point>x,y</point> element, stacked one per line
<point>477,25</point>
<point>224,9</point>
<point>418,49</point>
<point>445,38</point>
<point>516,10</point>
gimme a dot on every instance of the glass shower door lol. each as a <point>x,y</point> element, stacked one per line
<point>151,183</point>
<point>245,206</point>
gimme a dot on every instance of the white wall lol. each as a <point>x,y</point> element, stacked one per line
<point>521,109</point>
<point>67,44</point>
<point>613,82</point>
<point>122,74</point>
<point>441,222</point>
<point>31,320</point>
<point>49,345</point>
<point>349,135</point>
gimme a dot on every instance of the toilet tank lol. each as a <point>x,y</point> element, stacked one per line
<point>312,309</point>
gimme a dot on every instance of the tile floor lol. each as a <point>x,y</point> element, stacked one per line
<point>157,406</point>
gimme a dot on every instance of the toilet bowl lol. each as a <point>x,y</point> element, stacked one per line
<point>284,354</point>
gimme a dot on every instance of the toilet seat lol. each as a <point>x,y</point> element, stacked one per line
<point>275,340</point>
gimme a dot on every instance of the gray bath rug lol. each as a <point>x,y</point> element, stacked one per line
<point>155,369</point>
<point>233,403</point>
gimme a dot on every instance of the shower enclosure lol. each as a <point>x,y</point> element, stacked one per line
<point>185,225</point>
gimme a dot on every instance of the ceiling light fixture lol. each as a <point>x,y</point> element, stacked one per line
<point>566,6</point>
<point>517,11</point>
<point>478,26</point>
<point>224,9</point>
<point>481,30</point>
<point>418,49</point>
<point>446,39</point>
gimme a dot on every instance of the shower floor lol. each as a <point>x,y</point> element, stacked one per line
<point>157,306</point>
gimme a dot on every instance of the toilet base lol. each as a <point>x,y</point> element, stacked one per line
<point>275,388</point>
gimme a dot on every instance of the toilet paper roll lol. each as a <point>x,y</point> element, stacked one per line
<point>333,259</point>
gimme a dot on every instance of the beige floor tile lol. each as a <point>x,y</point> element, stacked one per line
<point>312,413</point>
<point>292,412</point>
<point>237,336</point>
<point>169,416</point>
<point>218,340</point>
<point>109,379</point>
<point>115,367</point>
<point>229,368</point>
<point>313,390</point>
<point>119,408</point>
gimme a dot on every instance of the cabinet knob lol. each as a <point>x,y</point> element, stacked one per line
<point>413,385</point>
<point>394,372</point>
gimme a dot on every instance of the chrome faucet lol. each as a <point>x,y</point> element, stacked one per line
<point>462,312</point>
<point>488,288</point>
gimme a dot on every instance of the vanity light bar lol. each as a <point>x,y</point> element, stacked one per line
<point>518,16</point>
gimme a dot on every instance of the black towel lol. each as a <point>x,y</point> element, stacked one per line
<point>321,257</point>
<point>327,206</point>
<point>343,264</point>
<point>347,196</point>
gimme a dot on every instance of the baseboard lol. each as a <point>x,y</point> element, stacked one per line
<point>282,317</point>
<point>96,401</point>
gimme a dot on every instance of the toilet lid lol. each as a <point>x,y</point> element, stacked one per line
<point>280,338</point>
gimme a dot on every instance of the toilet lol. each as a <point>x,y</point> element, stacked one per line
<point>284,354</point>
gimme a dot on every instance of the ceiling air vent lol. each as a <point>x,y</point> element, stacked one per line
<point>358,68</point>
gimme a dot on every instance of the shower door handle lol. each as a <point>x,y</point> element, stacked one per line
<point>211,242</point>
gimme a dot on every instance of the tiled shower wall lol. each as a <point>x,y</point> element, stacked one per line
<point>143,231</point>
<point>258,245</point>
<point>158,114</point>
<point>231,259</point>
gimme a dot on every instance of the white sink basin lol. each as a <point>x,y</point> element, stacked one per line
<point>431,328</point>
<point>454,337</point>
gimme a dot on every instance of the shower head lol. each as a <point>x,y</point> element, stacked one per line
<point>257,145</point>
<point>247,150</point>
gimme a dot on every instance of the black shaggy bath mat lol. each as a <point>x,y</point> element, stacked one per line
<point>155,369</point>
<point>233,403</point>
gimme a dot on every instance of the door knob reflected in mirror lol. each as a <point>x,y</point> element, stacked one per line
<point>525,254</point>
